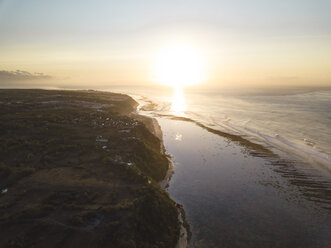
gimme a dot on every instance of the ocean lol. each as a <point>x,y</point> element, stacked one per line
<point>251,167</point>
<point>294,122</point>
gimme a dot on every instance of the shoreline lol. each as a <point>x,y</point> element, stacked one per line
<point>293,181</point>
<point>291,149</point>
<point>154,127</point>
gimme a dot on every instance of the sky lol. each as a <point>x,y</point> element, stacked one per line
<point>100,43</point>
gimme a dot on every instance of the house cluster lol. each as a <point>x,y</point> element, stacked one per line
<point>117,122</point>
<point>116,158</point>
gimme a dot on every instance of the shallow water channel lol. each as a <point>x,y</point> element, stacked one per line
<point>235,199</point>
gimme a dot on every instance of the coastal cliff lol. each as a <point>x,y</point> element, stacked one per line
<point>79,169</point>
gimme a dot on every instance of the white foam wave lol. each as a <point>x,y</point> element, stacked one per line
<point>305,152</point>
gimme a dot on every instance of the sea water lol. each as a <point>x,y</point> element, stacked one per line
<point>263,180</point>
<point>294,121</point>
<point>297,121</point>
<point>233,198</point>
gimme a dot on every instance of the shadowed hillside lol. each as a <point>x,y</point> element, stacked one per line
<point>76,171</point>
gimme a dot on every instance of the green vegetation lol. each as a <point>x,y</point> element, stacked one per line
<point>80,173</point>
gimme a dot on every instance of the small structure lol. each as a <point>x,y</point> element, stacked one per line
<point>4,191</point>
<point>124,131</point>
<point>100,139</point>
<point>129,163</point>
<point>117,159</point>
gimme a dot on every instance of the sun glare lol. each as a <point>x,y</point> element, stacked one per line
<point>179,66</point>
<point>178,106</point>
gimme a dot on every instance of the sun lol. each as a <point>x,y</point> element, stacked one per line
<point>179,65</point>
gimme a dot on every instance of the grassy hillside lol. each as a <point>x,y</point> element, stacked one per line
<point>76,171</point>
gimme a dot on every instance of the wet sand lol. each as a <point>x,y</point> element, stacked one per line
<point>235,195</point>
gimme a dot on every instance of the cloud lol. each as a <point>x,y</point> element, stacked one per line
<point>18,75</point>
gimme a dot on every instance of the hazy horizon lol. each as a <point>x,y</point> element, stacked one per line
<point>101,43</point>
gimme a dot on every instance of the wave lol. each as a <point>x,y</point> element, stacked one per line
<point>257,143</point>
<point>293,149</point>
<point>312,185</point>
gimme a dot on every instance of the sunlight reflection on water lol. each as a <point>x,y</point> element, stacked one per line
<point>178,106</point>
<point>178,137</point>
